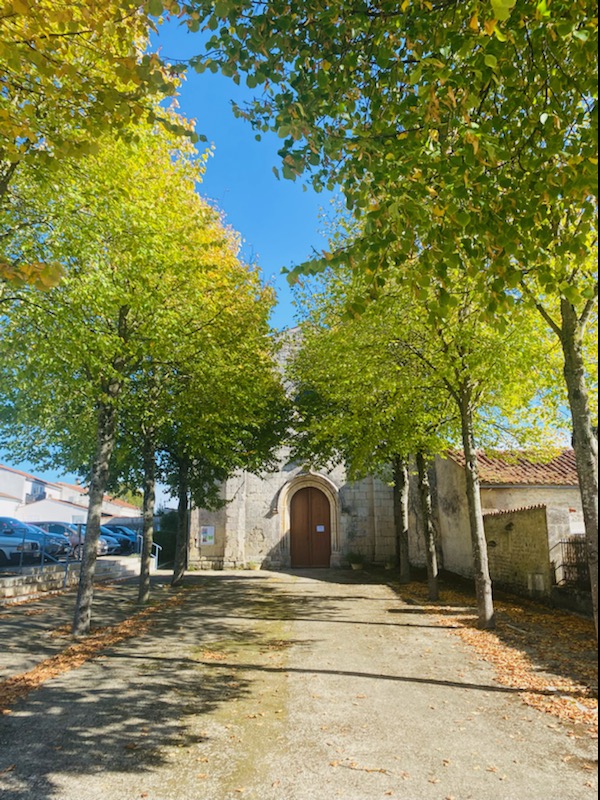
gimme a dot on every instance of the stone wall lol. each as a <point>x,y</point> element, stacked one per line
<point>449,486</point>
<point>520,543</point>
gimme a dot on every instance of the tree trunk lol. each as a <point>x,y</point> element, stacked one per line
<point>148,515</point>
<point>99,479</point>
<point>181,544</point>
<point>401,486</point>
<point>483,583</point>
<point>428,528</point>
<point>585,442</point>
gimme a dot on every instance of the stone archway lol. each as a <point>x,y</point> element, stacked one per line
<point>330,490</point>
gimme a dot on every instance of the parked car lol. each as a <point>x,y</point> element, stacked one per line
<point>126,540</point>
<point>16,546</point>
<point>75,536</point>
<point>114,548</point>
<point>54,545</point>
<point>129,532</point>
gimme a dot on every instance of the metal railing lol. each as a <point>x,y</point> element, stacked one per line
<point>571,566</point>
<point>40,557</point>
<point>156,548</point>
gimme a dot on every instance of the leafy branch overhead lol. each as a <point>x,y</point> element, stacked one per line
<point>448,126</point>
<point>69,73</point>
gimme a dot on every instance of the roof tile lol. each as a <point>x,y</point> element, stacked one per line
<point>513,469</point>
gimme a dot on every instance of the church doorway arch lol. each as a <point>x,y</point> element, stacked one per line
<point>310,528</point>
<point>324,513</point>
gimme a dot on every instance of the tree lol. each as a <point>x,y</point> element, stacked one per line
<point>567,299</point>
<point>425,113</point>
<point>214,404</point>
<point>233,415</point>
<point>360,402</point>
<point>148,267</point>
<point>71,72</point>
<point>401,377</point>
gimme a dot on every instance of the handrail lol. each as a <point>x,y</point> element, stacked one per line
<point>43,555</point>
<point>156,548</point>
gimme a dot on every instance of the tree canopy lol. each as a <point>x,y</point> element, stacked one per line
<point>401,378</point>
<point>156,322</point>
<point>448,125</point>
<point>69,73</point>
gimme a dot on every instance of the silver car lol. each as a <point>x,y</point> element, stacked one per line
<point>75,533</point>
<point>15,545</point>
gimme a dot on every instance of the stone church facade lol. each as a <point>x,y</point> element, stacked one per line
<point>294,518</point>
<point>298,518</point>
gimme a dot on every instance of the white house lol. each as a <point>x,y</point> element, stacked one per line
<point>18,488</point>
<point>33,499</point>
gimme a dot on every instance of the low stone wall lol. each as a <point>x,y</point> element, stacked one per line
<point>52,578</point>
<point>519,548</point>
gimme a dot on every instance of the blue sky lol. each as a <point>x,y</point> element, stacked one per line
<point>278,221</point>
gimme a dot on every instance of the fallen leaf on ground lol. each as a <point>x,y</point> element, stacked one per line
<point>18,686</point>
<point>547,655</point>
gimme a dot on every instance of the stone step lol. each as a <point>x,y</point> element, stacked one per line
<point>31,581</point>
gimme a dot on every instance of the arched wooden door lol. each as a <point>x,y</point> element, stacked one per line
<point>310,529</point>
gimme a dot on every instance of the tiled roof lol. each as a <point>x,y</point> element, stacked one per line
<point>107,498</point>
<point>59,502</point>
<point>500,512</point>
<point>10,496</point>
<point>512,469</point>
<point>75,486</point>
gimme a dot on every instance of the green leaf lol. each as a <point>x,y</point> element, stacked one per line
<point>502,8</point>
<point>155,7</point>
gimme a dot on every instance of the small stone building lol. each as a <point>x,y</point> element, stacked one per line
<point>530,507</point>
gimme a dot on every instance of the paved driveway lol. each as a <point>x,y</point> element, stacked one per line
<point>278,686</point>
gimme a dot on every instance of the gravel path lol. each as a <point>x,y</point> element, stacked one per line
<point>277,686</point>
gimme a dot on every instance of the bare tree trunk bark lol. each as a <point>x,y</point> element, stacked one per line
<point>483,583</point>
<point>585,442</point>
<point>181,544</point>
<point>428,528</point>
<point>148,515</point>
<point>401,486</point>
<point>99,479</point>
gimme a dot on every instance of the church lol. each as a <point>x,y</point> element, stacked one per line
<point>294,518</point>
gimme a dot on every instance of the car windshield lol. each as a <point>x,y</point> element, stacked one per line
<point>35,529</point>
<point>13,526</point>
